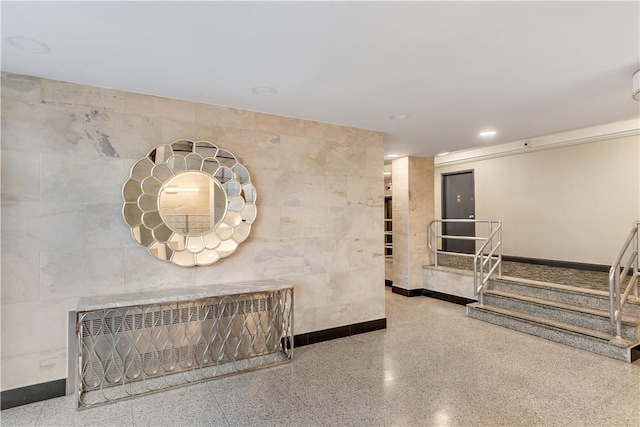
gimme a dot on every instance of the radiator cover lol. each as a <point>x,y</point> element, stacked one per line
<point>130,351</point>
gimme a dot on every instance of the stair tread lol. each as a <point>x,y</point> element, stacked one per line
<point>555,304</point>
<point>555,324</point>
<point>557,286</point>
<point>632,300</point>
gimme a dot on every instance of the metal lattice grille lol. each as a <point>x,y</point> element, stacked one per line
<point>129,351</point>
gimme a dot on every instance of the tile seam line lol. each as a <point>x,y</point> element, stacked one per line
<point>40,414</point>
<point>224,415</point>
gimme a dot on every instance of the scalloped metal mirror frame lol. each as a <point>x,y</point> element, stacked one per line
<point>150,176</point>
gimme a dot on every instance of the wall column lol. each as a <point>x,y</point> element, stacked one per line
<point>413,209</point>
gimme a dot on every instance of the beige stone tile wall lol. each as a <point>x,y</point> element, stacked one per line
<point>66,152</point>
<point>413,210</point>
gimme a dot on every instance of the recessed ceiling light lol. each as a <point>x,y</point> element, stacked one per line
<point>387,172</point>
<point>443,154</point>
<point>399,116</point>
<point>488,133</point>
<point>30,45</point>
<point>264,90</point>
<point>392,156</point>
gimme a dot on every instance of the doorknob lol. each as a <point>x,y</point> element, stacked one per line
<point>472,216</point>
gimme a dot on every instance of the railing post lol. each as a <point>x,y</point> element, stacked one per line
<point>500,248</point>
<point>612,291</point>
<point>481,285</point>
<point>617,313</point>
<point>637,257</point>
<point>435,242</point>
<point>481,290</point>
<point>491,245</point>
<point>490,226</point>
<point>475,275</point>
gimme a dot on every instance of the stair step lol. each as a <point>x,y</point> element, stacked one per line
<point>588,298</point>
<point>576,315</point>
<point>556,324</point>
<point>576,336</point>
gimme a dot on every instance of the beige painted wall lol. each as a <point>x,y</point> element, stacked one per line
<point>574,203</point>
<point>66,152</point>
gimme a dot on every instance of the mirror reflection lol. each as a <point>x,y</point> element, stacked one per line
<point>192,203</point>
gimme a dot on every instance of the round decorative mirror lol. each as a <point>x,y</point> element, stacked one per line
<point>189,203</point>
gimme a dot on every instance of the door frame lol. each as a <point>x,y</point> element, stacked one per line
<point>442,197</point>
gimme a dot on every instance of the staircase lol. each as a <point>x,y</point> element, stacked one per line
<point>594,313</point>
<point>569,315</point>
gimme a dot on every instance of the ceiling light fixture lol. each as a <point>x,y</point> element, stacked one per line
<point>28,44</point>
<point>392,156</point>
<point>636,86</point>
<point>488,133</point>
<point>387,172</point>
<point>263,90</point>
<point>399,116</point>
<point>443,154</point>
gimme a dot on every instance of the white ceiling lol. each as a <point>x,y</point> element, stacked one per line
<point>523,69</point>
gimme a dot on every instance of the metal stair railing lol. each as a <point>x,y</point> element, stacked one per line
<point>616,277</point>
<point>481,260</point>
<point>492,260</point>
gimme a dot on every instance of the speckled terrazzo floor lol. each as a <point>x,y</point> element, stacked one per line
<point>432,366</point>
<point>542,273</point>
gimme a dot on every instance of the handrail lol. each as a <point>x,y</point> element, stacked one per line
<point>617,301</point>
<point>480,259</point>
